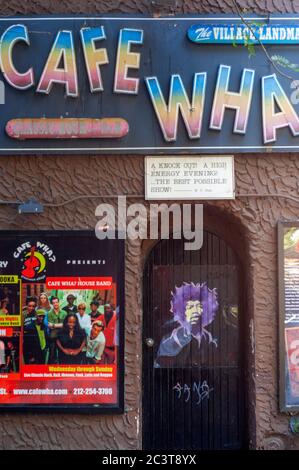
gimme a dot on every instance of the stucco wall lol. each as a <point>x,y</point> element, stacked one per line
<point>57,179</point>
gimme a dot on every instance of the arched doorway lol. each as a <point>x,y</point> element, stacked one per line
<point>193,359</point>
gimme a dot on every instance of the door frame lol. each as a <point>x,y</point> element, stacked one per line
<point>228,228</point>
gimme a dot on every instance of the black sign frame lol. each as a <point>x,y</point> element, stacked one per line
<point>145,135</point>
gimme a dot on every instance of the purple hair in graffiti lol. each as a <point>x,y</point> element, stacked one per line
<point>209,304</point>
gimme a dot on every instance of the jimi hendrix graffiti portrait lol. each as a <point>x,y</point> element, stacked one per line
<point>193,308</point>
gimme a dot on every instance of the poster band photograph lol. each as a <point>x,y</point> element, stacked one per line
<point>66,330</point>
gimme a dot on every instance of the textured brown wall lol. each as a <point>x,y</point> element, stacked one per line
<point>56,179</point>
<point>15,7</point>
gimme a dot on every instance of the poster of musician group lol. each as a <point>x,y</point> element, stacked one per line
<point>289,312</point>
<point>61,320</point>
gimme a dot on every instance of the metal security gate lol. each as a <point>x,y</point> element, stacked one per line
<point>193,372</point>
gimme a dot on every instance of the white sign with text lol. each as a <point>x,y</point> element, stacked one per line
<point>186,177</point>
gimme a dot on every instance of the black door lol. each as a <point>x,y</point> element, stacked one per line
<point>193,374</point>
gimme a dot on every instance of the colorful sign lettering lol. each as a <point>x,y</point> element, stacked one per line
<point>148,85</point>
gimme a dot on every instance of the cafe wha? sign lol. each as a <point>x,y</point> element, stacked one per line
<point>139,85</point>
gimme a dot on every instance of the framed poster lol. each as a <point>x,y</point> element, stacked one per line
<point>288,269</point>
<point>61,321</point>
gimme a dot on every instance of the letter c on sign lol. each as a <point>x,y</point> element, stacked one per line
<point>9,38</point>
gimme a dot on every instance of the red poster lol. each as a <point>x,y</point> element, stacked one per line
<point>61,319</point>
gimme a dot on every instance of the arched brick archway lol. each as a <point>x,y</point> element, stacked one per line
<point>185,389</point>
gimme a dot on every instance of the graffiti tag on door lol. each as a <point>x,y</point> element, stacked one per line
<point>198,391</point>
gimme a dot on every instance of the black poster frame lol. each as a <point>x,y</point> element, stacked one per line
<point>82,408</point>
<point>283,360</point>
